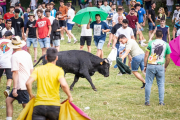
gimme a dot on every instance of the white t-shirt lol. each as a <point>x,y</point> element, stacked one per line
<point>134,48</point>
<point>5,54</point>
<point>21,61</point>
<point>33,2</point>
<point>13,2</point>
<point>4,30</point>
<point>115,17</point>
<point>51,18</point>
<point>169,2</point>
<point>85,31</point>
<point>71,13</point>
<point>178,32</point>
<point>175,14</point>
<point>128,32</point>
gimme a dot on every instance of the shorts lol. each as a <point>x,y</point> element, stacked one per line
<point>62,23</point>
<point>170,8</point>
<point>43,112</point>
<point>128,2</point>
<point>44,42</point>
<point>142,29</point>
<point>56,43</point>
<point>134,31</point>
<point>33,7</point>
<point>138,61</point>
<point>87,39</point>
<point>69,26</point>
<point>151,27</point>
<point>7,71</point>
<point>110,27</point>
<point>30,41</point>
<point>99,44</point>
<point>148,5</point>
<point>22,98</point>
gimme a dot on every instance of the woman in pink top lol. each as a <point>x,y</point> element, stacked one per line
<point>3,5</point>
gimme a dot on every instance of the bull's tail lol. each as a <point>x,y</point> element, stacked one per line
<point>39,60</point>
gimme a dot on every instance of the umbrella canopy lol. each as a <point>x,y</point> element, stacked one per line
<point>83,15</point>
<point>175,50</point>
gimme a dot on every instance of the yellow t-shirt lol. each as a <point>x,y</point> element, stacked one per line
<point>48,84</point>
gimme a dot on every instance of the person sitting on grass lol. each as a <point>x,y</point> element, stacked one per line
<point>49,78</point>
<point>137,54</point>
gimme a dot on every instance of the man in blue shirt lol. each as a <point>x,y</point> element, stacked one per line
<point>99,28</point>
<point>141,14</point>
<point>26,18</point>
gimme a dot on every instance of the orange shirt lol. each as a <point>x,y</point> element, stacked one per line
<point>63,10</point>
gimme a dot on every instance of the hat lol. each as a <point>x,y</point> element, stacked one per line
<point>8,33</point>
<point>31,14</point>
<point>177,4</point>
<point>1,17</point>
<point>17,4</point>
<point>16,43</point>
<point>132,1</point>
<point>52,3</point>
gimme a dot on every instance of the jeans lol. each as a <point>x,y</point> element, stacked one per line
<point>4,8</point>
<point>158,72</point>
<point>119,2</point>
<point>44,42</point>
<point>137,61</point>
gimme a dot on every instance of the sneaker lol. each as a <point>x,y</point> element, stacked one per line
<point>147,104</point>
<point>62,38</point>
<point>119,74</point>
<point>35,61</point>
<point>143,44</point>
<point>75,41</point>
<point>68,42</point>
<point>6,93</point>
<point>144,84</point>
<point>143,40</point>
<point>115,66</point>
<point>161,104</point>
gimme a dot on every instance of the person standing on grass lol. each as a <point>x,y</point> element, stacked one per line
<point>10,14</point>
<point>100,29</point>
<point>63,9</point>
<point>33,4</point>
<point>43,6</point>
<point>52,10</point>
<point>70,23</point>
<point>2,26</point>
<point>48,15</point>
<point>128,4</point>
<point>26,18</point>
<point>5,60</point>
<point>18,24</point>
<point>20,10</point>
<point>147,6</point>
<point>43,30</point>
<point>115,16</point>
<point>86,35</point>
<point>175,14</point>
<point>152,18</point>
<point>169,4</point>
<point>155,65</point>
<point>165,30</point>
<point>176,28</point>
<point>105,7</point>
<point>137,54</point>
<point>21,67</point>
<point>47,101</point>
<point>8,27</point>
<point>35,11</point>
<point>3,5</point>
<point>31,33</point>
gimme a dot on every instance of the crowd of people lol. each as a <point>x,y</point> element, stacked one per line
<point>43,23</point>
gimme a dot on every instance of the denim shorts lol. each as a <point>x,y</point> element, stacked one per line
<point>56,42</point>
<point>151,27</point>
<point>137,61</point>
<point>30,41</point>
<point>99,44</point>
<point>170,8</point>
<point>69,26</point>
<point>148,5</point>
<point>128,2</point>
<point>44,42</point>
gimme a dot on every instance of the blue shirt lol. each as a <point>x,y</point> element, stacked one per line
<point>97,29</point>
<point>141,13</point>
<point>141,1</point>
<point>26,18</point>
<point>125,13</point>
<point>164,31</point>
<point>110,15</point>
<point>53,11</point>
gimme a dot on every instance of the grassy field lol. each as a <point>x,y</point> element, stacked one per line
<point>123,94</point>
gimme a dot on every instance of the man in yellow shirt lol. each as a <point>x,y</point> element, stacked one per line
<point>49,78</point>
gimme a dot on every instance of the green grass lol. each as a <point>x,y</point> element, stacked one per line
<point>123,93</point>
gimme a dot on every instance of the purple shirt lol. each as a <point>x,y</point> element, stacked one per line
<point>3,3</point>
<point>1,10</point>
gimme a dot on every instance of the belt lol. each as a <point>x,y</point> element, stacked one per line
<point>156,64</point>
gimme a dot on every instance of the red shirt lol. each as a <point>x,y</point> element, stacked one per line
<point>8,16</point>
<point>42,25</point>
<point>132,21</point>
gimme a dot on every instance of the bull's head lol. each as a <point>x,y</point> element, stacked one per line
<point>104,67</point>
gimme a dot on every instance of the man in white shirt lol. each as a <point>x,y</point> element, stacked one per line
<point>35,11</point>
<point>175,14</point>
<point>21,67</point>
<point>70,23</point>
<point>8,27</point>
<point>13,2</point>
<point>48,15</point>
<point>169,4</point>
<point>5,60</point>
<point>115,16</point>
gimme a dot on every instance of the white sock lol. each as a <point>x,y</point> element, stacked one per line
<point>8,118</point>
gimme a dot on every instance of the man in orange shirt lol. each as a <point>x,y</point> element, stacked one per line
<point>10,14</point>
<point>62,22</point>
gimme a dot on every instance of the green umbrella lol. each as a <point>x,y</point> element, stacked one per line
<point>83,15</point>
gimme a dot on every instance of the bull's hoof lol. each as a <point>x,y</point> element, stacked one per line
<point>94,89</point>
<point>71,89</point>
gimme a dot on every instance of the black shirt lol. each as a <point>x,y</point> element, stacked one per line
<point>17,24</point>
<point>153,17</point>
<point>2,26</point>
<point>115,28</point>
<point>32,29</point>
<point>55,26</point>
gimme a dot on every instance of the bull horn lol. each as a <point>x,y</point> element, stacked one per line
<point>106,60</point>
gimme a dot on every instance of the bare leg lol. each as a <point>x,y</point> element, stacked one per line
<point>9,82</point>
<point>138,76</point>
<point>98,53</point>
<point>44,51</point>
<point>57,47</point>
<point>24,105</point>
<point>150,32</point>
<point>101,56</point>
<point>62,33</point>
<point>35,53</point>
<point>9,106</point>
<point>169,13</point>
<point>81,47</point>
<point>129,62</point>
<point>28,50</point>
<point>89,48</point>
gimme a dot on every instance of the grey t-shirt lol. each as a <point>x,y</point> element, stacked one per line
<point>134,48</point>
